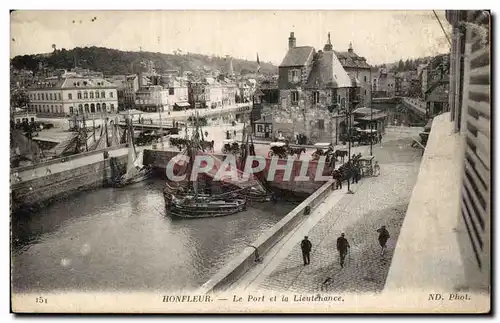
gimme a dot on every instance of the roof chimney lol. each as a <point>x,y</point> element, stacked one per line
<point>328,46</point>
<point>291,40</point>
<point>350,50</point>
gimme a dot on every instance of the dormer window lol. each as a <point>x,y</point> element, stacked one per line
<point>294,76</point>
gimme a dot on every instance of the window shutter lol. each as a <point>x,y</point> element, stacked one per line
<point>475,195</point>
<point>290,76</point>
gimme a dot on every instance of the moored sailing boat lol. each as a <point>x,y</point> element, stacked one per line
<point>136,171</point>
<point>186,199</point>
<point>259,190</point>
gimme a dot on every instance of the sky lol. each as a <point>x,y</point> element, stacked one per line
<point>379,36</point>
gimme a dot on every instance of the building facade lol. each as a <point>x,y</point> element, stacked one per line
<point>313,89</point>
<point>73,95</point>
<point>438,77</point>
<point>384,83</point>
<point>356,66</point>
<point>152,98</point>
<point>470,110</point>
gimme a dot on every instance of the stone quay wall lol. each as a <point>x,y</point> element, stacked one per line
<point>159,159</point>
<point>38,192</point>
<point>242,263</point>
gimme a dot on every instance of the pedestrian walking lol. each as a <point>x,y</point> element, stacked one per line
<point>306,246</point>
<point>354,173</point>
<point>376,169</point>
<point>48,171</point>
<point>380,137</point>
<point>342,247</point>
<point>382,238</point>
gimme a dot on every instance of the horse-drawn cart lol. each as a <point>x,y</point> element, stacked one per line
<point>366,165</point>
<point>322,149</point>
<point>230,146</point>
<point>278,149</point>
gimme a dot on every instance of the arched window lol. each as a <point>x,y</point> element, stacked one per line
<point>87,108</point>
<point>79,95</point>
<point>80,108</point>
<point>92,105</point>
<point>38,96</point>
<point>71,110</point>
<point>85,95</point>
<point>104,107</point>
<point>97,94</point>
<point>51,109</point>
<point>98,106</point>
<point>70,96</point>
<point>50,96</point>
<point>91,95</point>
<point>112,106</point>
<point>43,96</point>
<point>103,94</point>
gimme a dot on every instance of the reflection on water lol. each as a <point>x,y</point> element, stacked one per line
<point>120,239</point>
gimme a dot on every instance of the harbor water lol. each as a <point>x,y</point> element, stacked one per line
<point>120,240</point>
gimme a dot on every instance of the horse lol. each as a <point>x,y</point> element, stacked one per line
<point>297,151</point>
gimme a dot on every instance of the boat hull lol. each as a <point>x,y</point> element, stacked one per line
<point>141,176</point>
<point>205,207</point>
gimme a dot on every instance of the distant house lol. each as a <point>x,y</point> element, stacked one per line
<point>357,66</point>
<point>73,95</point>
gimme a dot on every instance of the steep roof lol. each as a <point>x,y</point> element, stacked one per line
<point>297,56</point>
<point>352,60</point>
<point>327,72</point>
<point>86,82</point>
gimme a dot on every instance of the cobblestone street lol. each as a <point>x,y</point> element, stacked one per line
<point>377,201</point>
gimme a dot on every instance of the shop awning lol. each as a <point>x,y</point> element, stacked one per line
<point>183,104</point>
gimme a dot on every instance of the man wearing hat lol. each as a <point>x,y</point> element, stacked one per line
<point>383,237</point>
<point>306,246</point>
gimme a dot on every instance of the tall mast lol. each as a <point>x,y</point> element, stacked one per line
<point>85,133</point>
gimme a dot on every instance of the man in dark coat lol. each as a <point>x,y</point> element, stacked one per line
<point>342,247</point>
<point>383,237</point>
<point>306,246</point>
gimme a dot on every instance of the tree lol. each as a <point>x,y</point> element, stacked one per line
<point>19,98</point>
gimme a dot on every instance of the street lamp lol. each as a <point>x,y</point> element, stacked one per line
<point>371,128</point>
<point>351,102</point>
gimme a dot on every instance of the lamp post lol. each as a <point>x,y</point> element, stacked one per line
<point>371,128</point>
<point>351,102</point>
